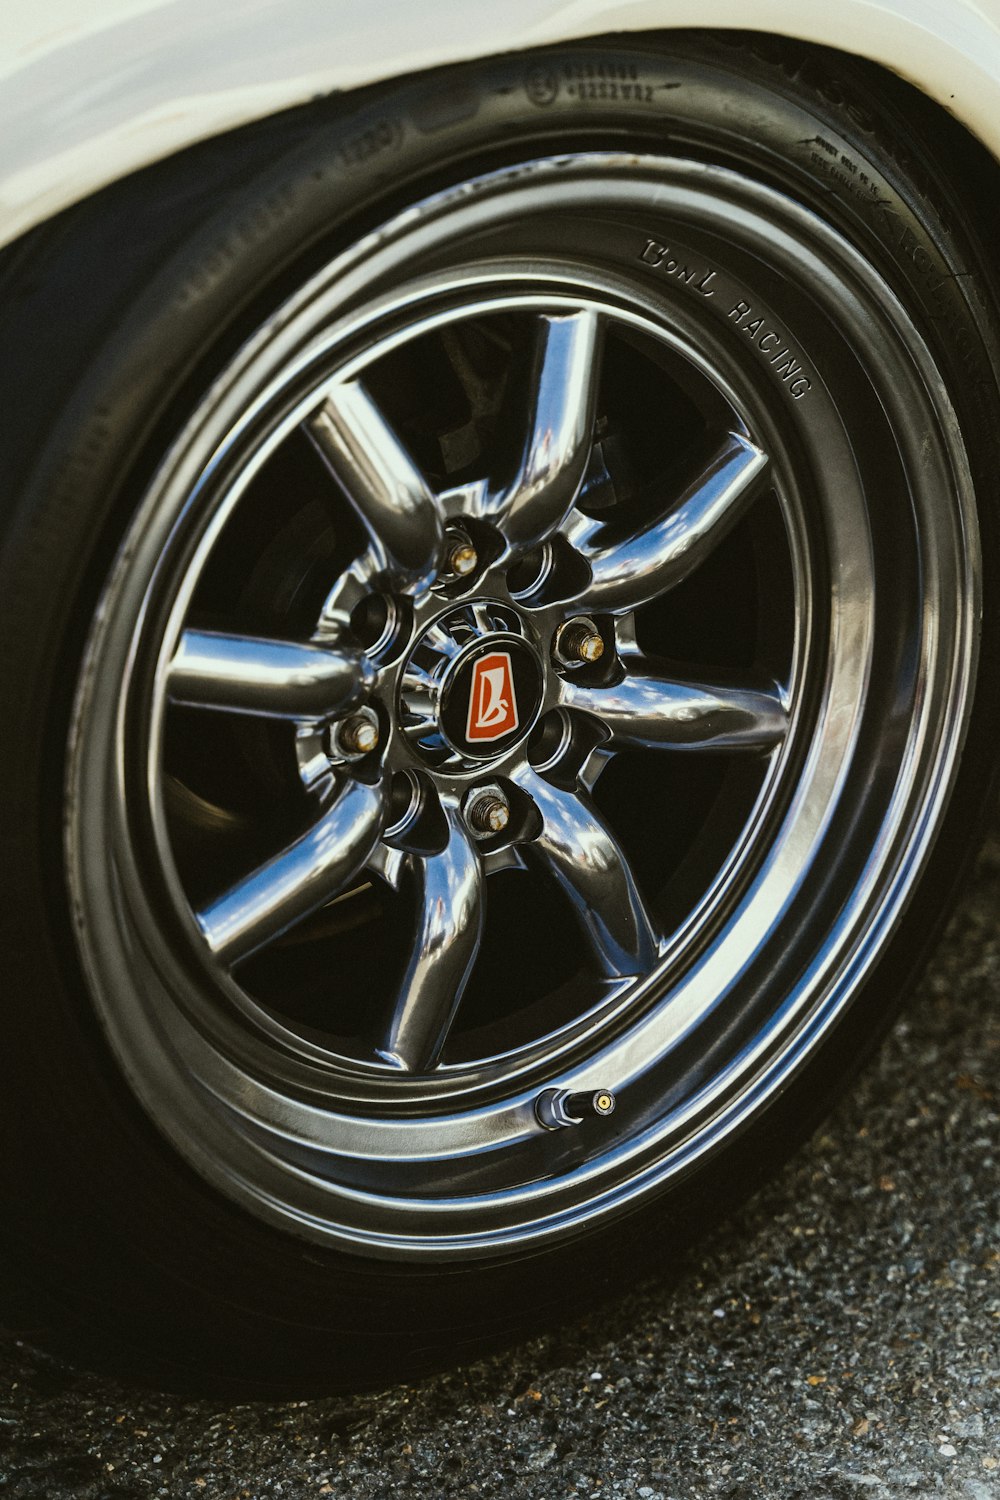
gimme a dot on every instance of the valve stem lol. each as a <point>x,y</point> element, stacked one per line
<point>557,1108</point>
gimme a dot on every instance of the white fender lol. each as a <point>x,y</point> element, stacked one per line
<point>93,89</point>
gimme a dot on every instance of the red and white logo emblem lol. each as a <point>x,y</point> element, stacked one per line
<point>492,704</point>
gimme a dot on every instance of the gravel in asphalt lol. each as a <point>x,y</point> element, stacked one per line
<point>839,1339</point>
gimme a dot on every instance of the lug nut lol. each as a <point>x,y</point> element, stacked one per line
<point>590,648</point>
<point>361,736</point>
<point>357,734</point>
<point>487,811</point>
<point>463,558</point>
<point>557,1108</point>
<point>579,641</point>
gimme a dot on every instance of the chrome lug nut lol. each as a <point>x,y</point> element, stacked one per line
<point>361,736</point>
<point>578,642</point>
<point>487,811</point>
<point>356,735</point>
<point>463,559</point>
<point>557,1108</point>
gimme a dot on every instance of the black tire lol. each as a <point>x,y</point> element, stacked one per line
<point>117,319</point>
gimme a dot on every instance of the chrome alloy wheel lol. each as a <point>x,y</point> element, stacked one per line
<point>536,672</point>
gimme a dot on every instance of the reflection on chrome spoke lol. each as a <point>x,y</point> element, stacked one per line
<point>646,710</point>
<point>662,555</point>
<point>298,880</point>
<point>450,895</point>
<point>276,679</point>
<point>577,849</point>
<point>382,482</point>
<point>560,430</point>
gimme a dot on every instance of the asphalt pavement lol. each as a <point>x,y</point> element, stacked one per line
<point>839,1340</point>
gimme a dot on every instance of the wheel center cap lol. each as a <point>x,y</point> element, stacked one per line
<point>490,697</point>
<point>471,687</point>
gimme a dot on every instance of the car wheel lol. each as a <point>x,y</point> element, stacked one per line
<point>492,610</point>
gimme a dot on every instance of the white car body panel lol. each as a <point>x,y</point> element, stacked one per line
<point>91,91</point>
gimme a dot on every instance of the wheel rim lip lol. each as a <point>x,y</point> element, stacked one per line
<point>635,1179</point>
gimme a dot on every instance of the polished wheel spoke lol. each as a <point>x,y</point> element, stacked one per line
<point>581,853</point>
<point>382,482</point>
<point>450,896</point>
<point>646,710</point>
<point>277,679</point>
<point>560,430</point>
<point>663,554</point>
<point>299,880</point>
